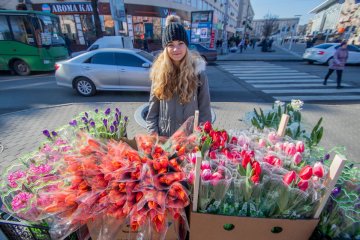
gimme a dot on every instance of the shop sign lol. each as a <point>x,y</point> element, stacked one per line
<point>118,10</point>
<point>65,8</point>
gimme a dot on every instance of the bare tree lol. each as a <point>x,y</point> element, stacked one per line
<point>98,30</point>
<point>271,25</point>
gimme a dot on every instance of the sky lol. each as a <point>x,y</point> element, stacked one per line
<point>285,8</point>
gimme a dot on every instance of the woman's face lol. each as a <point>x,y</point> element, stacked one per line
<point>176,51</point>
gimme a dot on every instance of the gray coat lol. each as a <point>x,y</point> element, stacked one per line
<point>340,57</point>
<point>166,116</point>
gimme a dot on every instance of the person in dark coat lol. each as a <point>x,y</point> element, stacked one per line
<point>338,64</point>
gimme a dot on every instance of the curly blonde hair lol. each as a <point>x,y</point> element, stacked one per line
<point>169,79</point>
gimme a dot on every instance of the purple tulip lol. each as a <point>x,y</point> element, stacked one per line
<point>112,128</point>
<point>107,112</point>
<point>47,133</point>
<point>73,123</point>
<point>327,156</point>
<point>117,116</point>
<point>115,123</point>
<point>357,206</point>
<point>126,118</point>
<point>105,121</point>
<point>336,191</point>
<point>54,133</point>
<point>85,120</point>
<point>96,110</point>
<point>86,115</point>
<point>92,124</point>
<point>117,110</point>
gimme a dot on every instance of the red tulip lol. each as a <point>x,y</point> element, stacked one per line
<point>306,173</point>
<point>297,158</point>
<point>212,155</point>
<point>303,185</point>
<point>289,177</point>
<point>256,167</point>
<point>255,179</point>
<point>318,170</point>
<point>233,140</point>
<point>207,127</point>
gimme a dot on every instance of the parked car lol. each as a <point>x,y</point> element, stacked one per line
<point>209,55</point>
<point>324,52</point>
<point>108,42</point>
<point>106,69</point>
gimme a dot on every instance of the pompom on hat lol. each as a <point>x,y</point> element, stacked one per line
<point>174,31</point>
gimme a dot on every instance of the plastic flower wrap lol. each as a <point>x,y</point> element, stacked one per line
<point>268,176</point>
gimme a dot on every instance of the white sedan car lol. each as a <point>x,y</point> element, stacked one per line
<point>106,69</point>
<point>324,52</point>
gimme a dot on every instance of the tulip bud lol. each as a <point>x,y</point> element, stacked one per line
<point>262,143</point>
<point>289,177</point>
<point>300,146</point>
<point>212,155</point>
<point>303,185</point>
<point>290,149</point>
<point>306,173</point>
<point>233,140</point>
<point>297,158</point>
<point>207,127</point>
<point>318,170</point>
<point>205,165</point>
<point>272,137</point>
<point>206,175</point>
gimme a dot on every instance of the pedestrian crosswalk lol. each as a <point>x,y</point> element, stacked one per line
<point>283,83</point>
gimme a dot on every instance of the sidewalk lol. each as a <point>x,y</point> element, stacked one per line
<point>21,132</point>
<point>279,54</point>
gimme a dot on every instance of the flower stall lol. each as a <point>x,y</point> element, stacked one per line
<point>255,182</point>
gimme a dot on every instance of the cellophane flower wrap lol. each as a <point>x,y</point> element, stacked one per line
<point>84,175</point>
<point>258,174</point>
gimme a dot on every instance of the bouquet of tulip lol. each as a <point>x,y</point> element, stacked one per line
<point>258,174</point>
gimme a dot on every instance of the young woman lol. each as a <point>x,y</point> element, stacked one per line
<point>179,84</point>
<point>338,63</point>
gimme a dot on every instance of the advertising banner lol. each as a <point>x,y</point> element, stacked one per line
<point>201,27</point>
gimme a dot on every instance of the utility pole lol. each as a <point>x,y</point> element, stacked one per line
<point>225,45</point>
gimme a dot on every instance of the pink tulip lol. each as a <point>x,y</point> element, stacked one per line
<point>191,177</point>
<point>216,176</point>
<point>206,175</point>
<point>205,165</point>
<point>300,147</point>
<point>297,158</point>
<point>306,173</point>
<point>318,170</point>
<point>290,149</point>
<point>303,185</point>
<point>272,137</point>
<point>279,146</point>
<point>289,177</point>
<point>262,143</point>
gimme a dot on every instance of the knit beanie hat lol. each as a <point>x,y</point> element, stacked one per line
<point>174,31</point>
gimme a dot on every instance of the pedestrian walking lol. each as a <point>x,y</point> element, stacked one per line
<point>337,63</point>
<point>179,83</point>
<point>67,43</point>
<point>241,45</point>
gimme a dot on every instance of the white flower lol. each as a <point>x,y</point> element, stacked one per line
<point>296,104</point>
<point>278,103</point>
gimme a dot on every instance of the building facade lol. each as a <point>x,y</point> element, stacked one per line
<point>283,28</point>
<point>142,20</point>
<point>349,22</point>
<point>326,17</point>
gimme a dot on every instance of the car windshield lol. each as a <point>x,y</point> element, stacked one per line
<point>50,31</point>
<point>146,55</point>
<point>324,46</point>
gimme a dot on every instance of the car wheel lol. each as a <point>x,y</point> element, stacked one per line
<point>21,68</point>
<point>85,87</point>
<point>310,62</point>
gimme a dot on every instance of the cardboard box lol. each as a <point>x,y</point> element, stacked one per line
<point>211,227</point>
<point>110,226</point>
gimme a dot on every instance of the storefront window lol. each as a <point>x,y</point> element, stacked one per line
<point>4,29</point>
<point>88,28</point>
<point>22,30</point>
<point>51,33</point>
<point>147,27</point>
<point>68,26</point>
<point>109,25</point>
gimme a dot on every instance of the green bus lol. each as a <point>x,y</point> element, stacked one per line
<point>30,41</point>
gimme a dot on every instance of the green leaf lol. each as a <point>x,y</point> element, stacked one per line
<point>241,170</point>
<point>256,114</point>
<point>262,116</point>
<point>205,147</point>
<point>248,170</point>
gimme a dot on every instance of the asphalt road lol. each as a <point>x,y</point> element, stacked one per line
<point>40,89</point>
